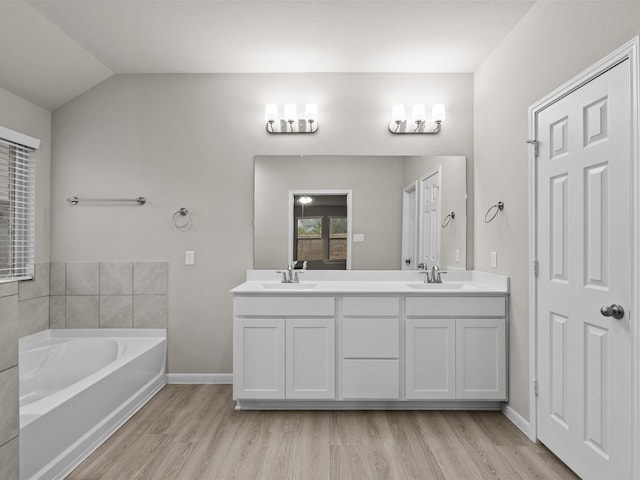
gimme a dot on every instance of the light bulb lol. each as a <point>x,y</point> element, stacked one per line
<point>270,112</point>
<point>438,113</point>
<point>290,112</point>
<point>418,113</point>
<point>397,114</point>
<point>311,112</point>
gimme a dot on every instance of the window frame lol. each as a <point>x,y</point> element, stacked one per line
<point>17,185</point>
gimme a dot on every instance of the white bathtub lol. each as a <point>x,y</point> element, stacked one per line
<point>77,387</point>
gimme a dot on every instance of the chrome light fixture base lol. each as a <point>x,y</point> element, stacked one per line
<point>288,127</point>
<point>400,128</point>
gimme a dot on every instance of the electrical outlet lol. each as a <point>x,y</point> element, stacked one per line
<point>189,257</point>
<point>358,237</point>
<point>494,260</point>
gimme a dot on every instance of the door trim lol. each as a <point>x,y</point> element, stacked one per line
<point>406,191</point>
<point>629,52</point>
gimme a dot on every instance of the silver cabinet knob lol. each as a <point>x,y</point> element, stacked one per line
<point>615,311</point>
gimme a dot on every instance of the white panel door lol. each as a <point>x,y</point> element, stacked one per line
<point>430,218</point>
<point>481,359</point>
<point>259,353</point>
<point>409,227</point>
<point>584,254</point>
<point>431,355</point>
<point>310,358</point>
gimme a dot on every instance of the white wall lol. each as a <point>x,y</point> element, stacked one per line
<point>552,43</point>
<point>25,117</point>
<point>189,141</point>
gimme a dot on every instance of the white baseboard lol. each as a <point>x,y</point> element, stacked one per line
<point>200,378</point>
<point>518,421</point>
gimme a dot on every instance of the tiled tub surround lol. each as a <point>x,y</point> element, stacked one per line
<point>9,331</point>
<point>77,387</point>
<point>108,295</point>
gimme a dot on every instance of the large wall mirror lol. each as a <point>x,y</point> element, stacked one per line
<point>380,209</point>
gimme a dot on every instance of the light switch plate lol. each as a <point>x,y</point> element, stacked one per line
<point>494,260</point>
<point>189,257</point>
<point>458,255</point>
<point>358,237</point>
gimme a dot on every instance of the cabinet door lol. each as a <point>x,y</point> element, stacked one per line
<point>310,358</point>
<point>259,352</point>
<point>430,355</point>
<point>481,355</point>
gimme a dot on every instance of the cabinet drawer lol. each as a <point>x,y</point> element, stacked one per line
<point>285,306</point>
<point>370,337</point>
<point>456,306</point>
<point>370,379</point>
<point>363,306</point>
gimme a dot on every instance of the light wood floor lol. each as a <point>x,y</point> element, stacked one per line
<point>189,432</point>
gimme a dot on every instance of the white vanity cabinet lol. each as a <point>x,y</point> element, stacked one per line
<point>359,340</point>
<point>284,347</point>
<point>259,354</point>
<point>430,358</point>
<point>456,348</point>
<point>370,348</point>
<point>310,358</point>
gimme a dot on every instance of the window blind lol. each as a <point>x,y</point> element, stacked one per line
<point>17,207</point>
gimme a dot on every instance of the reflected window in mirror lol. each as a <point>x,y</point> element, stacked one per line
<point>320,233</point>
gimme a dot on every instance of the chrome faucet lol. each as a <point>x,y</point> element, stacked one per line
<point>290,275</point>
<point>435,274</point>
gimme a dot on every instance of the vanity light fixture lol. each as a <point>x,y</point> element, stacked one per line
<point>290,123</point>
<point>305,200</point>
<point>399,125</point>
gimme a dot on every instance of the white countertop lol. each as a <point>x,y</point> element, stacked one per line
<point>400,282</point>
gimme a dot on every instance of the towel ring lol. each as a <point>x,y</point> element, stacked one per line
<point>498,207</point>
<point>447,219</point>
<point>184,225</point>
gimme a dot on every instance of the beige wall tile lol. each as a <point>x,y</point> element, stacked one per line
<point>9,460</point>
<point>150,278</point>
<point>10,288</point>
<point>57,278</point>
<point>8,332</point>
<point>116,278</point>
<point>38,287</point>
<point>83,311</point>
<point>83,278</point>
<point>9,424</point>
<point>57,311</point>
<point>33,315</point>
<point>116,311</point>
<point>150,311</point>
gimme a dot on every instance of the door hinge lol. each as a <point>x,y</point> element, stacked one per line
<point>535,387</point>
<point>535,147</point>
<point>535,268</point>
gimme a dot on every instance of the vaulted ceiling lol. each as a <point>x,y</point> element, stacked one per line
<point>53,50</point>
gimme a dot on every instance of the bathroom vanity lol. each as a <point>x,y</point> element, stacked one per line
<point>370,339</point>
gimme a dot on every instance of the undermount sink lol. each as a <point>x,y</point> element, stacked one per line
<point>442,286</point>
<point>289,286</point>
